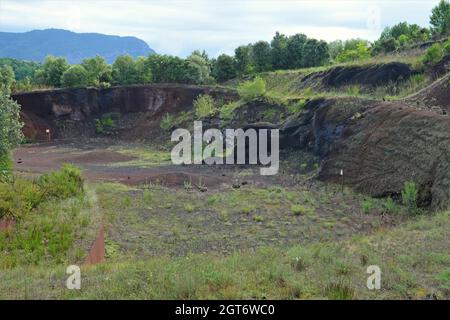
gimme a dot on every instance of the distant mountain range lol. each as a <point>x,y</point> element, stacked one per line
<point>37,44</point>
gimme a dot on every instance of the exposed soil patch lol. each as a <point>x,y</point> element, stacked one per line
<point>97,162</point>
<point>393,144</point>
<point>435,97</point>
<point>50,156</point>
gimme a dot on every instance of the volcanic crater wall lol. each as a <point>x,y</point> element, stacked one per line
<point>378,145</point>
<point>78,108</point>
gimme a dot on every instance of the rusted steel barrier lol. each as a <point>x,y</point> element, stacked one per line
<point>7,223</point>
<point>97,251</point>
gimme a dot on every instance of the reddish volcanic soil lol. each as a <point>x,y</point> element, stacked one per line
<point>96,162</point>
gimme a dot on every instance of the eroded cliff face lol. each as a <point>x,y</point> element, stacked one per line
<point>378,145</point>
<point>71,112</point>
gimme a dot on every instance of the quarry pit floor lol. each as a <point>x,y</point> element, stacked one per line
<point>152,207</point>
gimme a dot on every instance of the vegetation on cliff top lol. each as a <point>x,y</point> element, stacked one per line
<point>282,53</point>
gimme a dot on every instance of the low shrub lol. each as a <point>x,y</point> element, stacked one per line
<point>104,124</point>
<point>204,106</point>
<point>250,90</point>
<point>389,205</point>
<point>353,90</point>
<point>368,205</point>
<point>296,107</point>
<point>298,210</point>
<point>62,184</point>
<point>20,196</point>
<point>167,122</point>
<point>434,54</point>
<point>447,46</point>
<point>409,196</point>
<point>227,111</point>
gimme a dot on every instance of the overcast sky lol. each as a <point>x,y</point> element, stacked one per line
<point>217,26</point>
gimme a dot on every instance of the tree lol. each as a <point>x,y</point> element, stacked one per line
<point>168,69</point>
<point>434,54</point>
<point>440,17</point>
<point>75,76</point>
<point>243,60</point>
<point>52,70</point>
<point>355,49</point>
<point>144,73</point>
<point>98,71</point>
<point>400,35</point>
<point>23,85</point>
<point>315,53</point>
<point>335,48</point>
<point>224,68</point>
<point>295,50</point>
<point>262,56</point>
<point>10,132</point>
<point>385,45</point>
<point>7,79</point>
<point>124,70</point>
<point>279,51</point>
<point>22,69</point>
<point>200,63</point>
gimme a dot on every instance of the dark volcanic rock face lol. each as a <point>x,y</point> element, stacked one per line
<point>321,123</point>
<point>390,145</point>
<point>435,97</point>
<point>372,75</point>
<point>78,108</point>
<point>378,145</point>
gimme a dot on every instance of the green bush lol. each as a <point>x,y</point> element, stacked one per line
<point>62,184</point>
<point>353,90</point>
<point>250,90</point>
<point>418,78</point>
<point>10,126</point>
<point>48,235</point>
<point>409,196</point>
<point>298,209</point>
<point>296,107</point>
<point>389,205</point>
<point>5,168</point>
<point>20,196</point>
<point>104,124</point>
<point>360,52</point>
<point>447,46</point>
<point>167,122</point>
<point>434,54</point>
<point>368,205</point>
<point>204,106</point>
<point>227,111</point>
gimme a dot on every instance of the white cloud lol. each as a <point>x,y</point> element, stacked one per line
<point>179,27</point>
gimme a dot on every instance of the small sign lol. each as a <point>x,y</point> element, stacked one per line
<point>342,172</point>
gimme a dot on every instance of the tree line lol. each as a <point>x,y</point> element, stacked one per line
<point>281,53</point>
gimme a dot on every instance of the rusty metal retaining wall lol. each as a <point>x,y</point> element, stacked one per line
<point>97,251</point>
